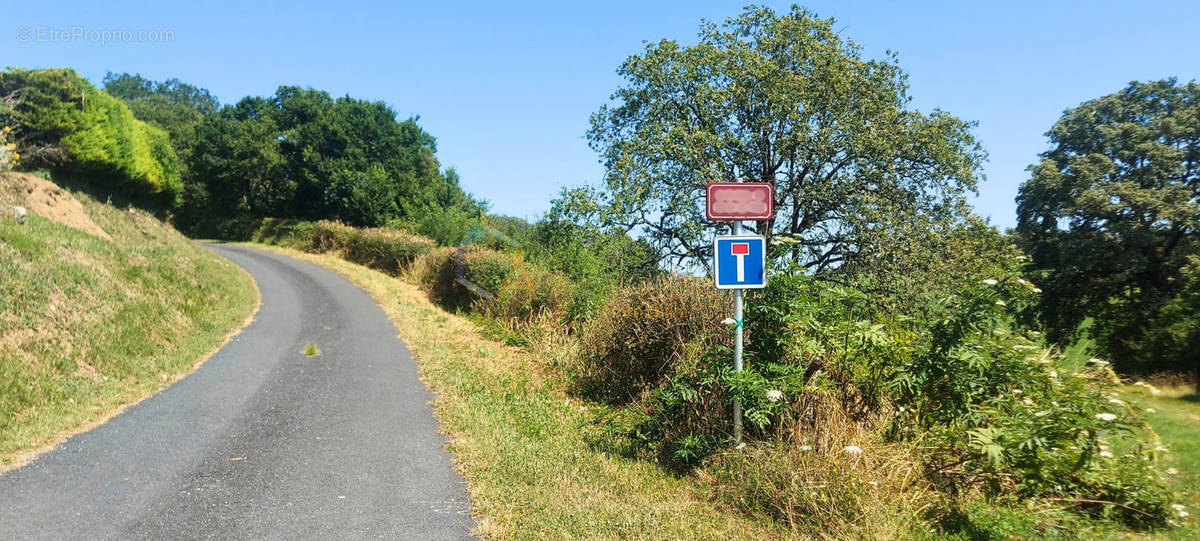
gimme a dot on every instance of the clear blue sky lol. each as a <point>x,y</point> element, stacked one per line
<point>507,87</point>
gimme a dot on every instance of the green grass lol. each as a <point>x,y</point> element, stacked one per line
<point>520,441</point>
<point>88,325</point>
<point>1174,414</point>
<point>1176,419</point>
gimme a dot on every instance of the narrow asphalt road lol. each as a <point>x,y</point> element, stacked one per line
<point>262,442</point>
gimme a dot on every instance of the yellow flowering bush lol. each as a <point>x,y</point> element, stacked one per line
<point>9,157</point>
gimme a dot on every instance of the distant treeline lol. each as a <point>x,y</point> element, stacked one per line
<point>297,154</point>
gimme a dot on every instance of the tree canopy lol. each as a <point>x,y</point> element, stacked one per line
<point>66,124</point>
<point>1110,217</point>
<point>304,154</point>
<point>778,98</point>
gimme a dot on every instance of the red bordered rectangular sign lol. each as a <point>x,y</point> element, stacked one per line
<point>739,201</point>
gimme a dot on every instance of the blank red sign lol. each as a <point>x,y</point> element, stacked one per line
<point>740,201</point>
<point>740,248</point>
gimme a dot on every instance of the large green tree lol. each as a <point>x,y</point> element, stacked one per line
<point>1110,217</point>
<point>779,98</point>
<point>172,105</point>
<point>304,154</point>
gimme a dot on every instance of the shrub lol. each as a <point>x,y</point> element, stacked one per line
<point>644,332</point>
<point>237,229</point>
<point>982,401</point>
<point>9,157</point>
<point>291,233</point>
<point>102,139</point>
<point>494,283</point>
<point>995,414</point>
<point>528,291</point>
<point>384,249</point>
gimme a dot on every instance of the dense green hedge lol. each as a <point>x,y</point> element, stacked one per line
<point>99,137</point>
<point>383,249</point>
<point>505,286</point>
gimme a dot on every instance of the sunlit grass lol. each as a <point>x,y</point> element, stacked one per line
<point>88,325</point>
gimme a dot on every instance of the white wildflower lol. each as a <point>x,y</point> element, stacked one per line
<point>1027,402</point>
<point>806,448</point>
<point>1106,454</point>
<point>853,449</point>
<point>1054,374</point>
<point>740,446</point>
<point>903,409</point>
<point>1106,416</point>
<point>990,282</point>
<point>774,395</point>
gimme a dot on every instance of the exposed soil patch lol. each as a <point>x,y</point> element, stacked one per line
<point>44,198</point>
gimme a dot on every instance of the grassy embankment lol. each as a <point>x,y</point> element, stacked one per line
<point>520,440</point>
<point>91,322</point>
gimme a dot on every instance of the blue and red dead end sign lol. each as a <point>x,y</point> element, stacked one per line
<point>740,261</point>
<point>739,201</point>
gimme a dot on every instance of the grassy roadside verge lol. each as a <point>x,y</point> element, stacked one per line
<point>1176,419</point>
<point>519,440</point>
<point>89,326</point>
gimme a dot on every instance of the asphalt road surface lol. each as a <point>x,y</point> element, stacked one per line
<point>262,442</point>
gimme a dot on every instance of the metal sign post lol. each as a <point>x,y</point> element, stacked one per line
<point>739,261</point>
<point>737,346</point>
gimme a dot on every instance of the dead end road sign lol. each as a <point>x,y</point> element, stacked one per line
<point>740,261</point>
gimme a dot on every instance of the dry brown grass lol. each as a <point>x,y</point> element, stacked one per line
<point>836,481</point>
<point>46,199</point>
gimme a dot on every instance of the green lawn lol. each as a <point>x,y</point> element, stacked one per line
<point>1176,418</point>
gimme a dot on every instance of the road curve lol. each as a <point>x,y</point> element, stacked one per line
<point>262,442</point>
